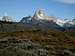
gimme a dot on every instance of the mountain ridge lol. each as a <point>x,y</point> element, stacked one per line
<point>38,20</point>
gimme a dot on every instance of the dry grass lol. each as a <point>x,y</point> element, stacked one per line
<point>56,40</point>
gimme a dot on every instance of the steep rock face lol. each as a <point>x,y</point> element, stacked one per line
<point>41,15</point>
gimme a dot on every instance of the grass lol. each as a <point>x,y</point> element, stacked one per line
<point>59,40</point>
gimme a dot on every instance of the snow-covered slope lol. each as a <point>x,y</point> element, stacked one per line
<point>65,23</point>
<point>60,22</point>
<point>0,18</point>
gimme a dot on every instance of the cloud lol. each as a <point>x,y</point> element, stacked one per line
<point>67,1</point>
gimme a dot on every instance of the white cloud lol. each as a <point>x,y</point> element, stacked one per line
<point>67,1</point>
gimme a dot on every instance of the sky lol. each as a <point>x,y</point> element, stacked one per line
<point>17,9</point>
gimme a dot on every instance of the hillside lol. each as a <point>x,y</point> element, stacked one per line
<point>37,42</point>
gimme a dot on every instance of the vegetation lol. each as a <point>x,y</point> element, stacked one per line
<point>56,43</point>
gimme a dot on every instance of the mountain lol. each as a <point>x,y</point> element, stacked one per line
<point>41,19</point>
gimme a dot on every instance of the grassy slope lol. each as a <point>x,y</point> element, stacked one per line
<point>56,40</point>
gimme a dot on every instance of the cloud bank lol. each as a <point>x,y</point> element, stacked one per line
<point>67,1</point>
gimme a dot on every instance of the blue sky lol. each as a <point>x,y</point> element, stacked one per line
<point>20,8</point>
